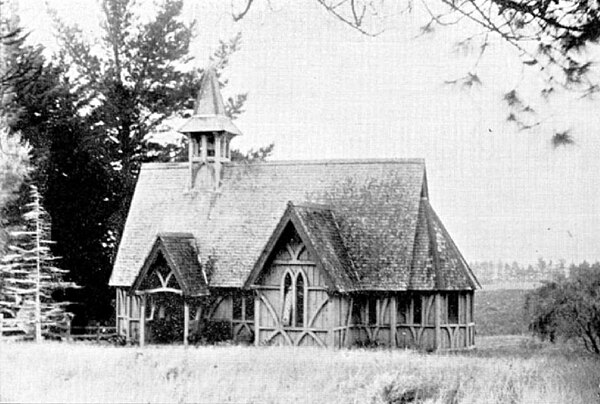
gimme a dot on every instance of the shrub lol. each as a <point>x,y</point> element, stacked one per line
<point>569,307</point>
<point>212,331</point>
<point>166,331</point>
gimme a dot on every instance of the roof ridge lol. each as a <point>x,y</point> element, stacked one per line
<point>417,161</point>
<point>311,205</point>
<point>175,234</point>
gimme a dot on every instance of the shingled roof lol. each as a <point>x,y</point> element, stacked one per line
<point>178,250</point>
<point>370,199</point>
<point>319,231</point>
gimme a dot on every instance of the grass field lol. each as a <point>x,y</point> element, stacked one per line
<point>501,370</point>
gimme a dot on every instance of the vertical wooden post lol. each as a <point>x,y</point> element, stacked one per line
<point>472,317</point>
<point>332,319</point>
<point>186,321</point>
<point>257,318</point>
<point>68,332</point>
<point>217,161</point>
<point>127,302</point>
<point>438,321</point>
<point>349,304</point>
<point>203,150</point>
<point>191,159</point>
<point>142,332</point>
<point>117,309</point>
<point>393,321</point>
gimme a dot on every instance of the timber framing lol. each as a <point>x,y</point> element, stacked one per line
<point>328,253</point>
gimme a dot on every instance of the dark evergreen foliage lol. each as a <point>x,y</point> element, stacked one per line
<point>87,116</point>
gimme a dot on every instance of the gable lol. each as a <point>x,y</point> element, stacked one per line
<point>288,250</point>
<point>159,276</point>
<point>171,265</point>
<point>232,227</point>
<point>308,235</point>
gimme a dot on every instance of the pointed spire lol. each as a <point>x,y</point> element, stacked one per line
<point>209,110</point>
<point>209,100</point>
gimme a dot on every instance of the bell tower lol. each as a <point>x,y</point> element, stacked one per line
<point>209,132</point>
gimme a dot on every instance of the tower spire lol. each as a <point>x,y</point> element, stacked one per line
<point>209,109</point>
<point>209,130</point>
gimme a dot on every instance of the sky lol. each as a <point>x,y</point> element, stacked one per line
<point>320,90</point>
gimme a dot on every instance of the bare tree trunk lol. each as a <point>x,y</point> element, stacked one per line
<point>38,309</point>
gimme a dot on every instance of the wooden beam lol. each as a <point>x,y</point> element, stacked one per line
<point>186,321</point>
<point>143,321</point>
<point>217,161</point>
<point>158,290</point>
<point>256,319</point>
<point>191,159</point>
<point>438,320</point>
<point>203,150</point>
<point>127,303</point>
<point>117,314</point>
<point>349,303</point>
<point>393,320</point>
<point>332,318</point>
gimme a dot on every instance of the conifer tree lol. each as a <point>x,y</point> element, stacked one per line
<point>14,168</point>
<point>29,274</point>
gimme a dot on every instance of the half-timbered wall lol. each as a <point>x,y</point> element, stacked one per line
<point>416,327</point>
<point>457,323</point>
<point>234,306</point>
<point>292,306</point>
<point>406,320</point>
<point>128,314</point>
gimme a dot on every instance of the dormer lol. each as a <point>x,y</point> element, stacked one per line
<point>209,130</point>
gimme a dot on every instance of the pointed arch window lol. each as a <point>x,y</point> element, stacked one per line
<point>288,300</point>
<point>243,307</point>
<point>293,299</point>
<point>299,300</point>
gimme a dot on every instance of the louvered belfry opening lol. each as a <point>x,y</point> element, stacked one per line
<point>209,132</point>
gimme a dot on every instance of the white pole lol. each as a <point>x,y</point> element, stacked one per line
<point>38,309</point>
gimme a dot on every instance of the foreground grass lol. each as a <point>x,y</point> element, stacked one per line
<point>502,370</point>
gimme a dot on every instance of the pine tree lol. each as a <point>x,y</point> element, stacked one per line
<point>14,168</point>
<point>29,275</point>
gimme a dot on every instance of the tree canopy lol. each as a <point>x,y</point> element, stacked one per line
<point>88,113</point>
<point>568,307</point>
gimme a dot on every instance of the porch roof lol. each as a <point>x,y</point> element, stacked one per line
<point>179,251</point>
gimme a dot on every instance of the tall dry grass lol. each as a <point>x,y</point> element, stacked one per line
<point>503,370</point>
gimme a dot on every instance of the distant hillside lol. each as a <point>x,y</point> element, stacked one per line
<point>500,311</point>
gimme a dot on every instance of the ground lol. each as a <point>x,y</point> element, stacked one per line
<point>503,369</point>
<point>506,369</point>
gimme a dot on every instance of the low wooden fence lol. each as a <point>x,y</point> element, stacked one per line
<point>10,326</point>
<point>14,329</point>
<point>89,333</point>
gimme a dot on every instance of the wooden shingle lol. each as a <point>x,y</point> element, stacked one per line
<point>232,226</point>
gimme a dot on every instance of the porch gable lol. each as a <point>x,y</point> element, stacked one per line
<point>178,253</point>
